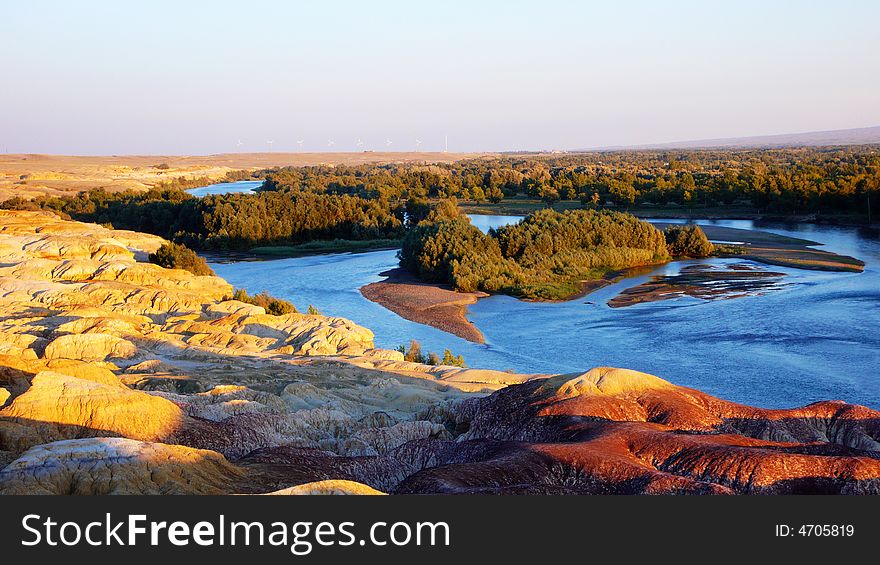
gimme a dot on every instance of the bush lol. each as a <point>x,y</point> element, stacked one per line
<point>453,360</point>
<point>176,256</point>
<point>414,354</point>
<point>688,241</point>
<point>729,249</point>
<point>313,310</point>
<point>272,305</point>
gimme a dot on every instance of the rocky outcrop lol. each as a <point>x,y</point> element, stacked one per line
<point>117,466</point>
<point>39,228</point>
<point>89,347</point>
<point>58,406</point>
<point>381,440</point>
<point>328,488</point>
<point>81,291</point>
<point>619,431</point>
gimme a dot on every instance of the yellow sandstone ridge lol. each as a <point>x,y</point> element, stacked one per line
<point>330,487</point>
<point>58,406</point>
<point>117,466</point>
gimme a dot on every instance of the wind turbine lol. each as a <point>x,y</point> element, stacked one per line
<point>359,143</point>
<point>300,143</point>
<point>388,142</point>
<point>418,142</point>
<point>239,144</point>
<point>446,144</point>
<point>330,143</point>
<point>269,143</point>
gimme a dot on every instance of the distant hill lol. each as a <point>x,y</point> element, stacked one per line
<point>857,136</point>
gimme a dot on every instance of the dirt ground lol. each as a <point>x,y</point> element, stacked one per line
<point>30,175</point>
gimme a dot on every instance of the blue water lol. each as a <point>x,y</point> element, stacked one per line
<point>485,222</point>
<point>815,339</point>
<point>226,188</point>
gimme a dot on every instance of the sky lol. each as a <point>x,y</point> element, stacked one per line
<point>194,77</point>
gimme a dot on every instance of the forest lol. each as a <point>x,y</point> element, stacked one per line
<point>352,205</point>
<point>778,181</point>
<point>230,221</point>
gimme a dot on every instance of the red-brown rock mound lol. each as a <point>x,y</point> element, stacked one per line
<point>620,431</point>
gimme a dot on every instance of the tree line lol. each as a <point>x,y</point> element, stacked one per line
<point>297,205</point>
<point>783,181</point>
<point>230,221</point>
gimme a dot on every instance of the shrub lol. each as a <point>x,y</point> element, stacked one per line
<point>313,310</point>
<point>727,249</point>
<point>177,256</point>
<point>453,360</point>
<point>414,353</point>
<point>272,305</point>
<point>688,241</point>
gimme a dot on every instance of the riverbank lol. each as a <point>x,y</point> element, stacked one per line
<point>321,246</point>
<point>435,305</point>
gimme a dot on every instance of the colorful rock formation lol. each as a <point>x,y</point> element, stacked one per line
<point>118,376</point>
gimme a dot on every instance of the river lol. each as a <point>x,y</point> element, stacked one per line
<point>226,188</point>
<point>815,339</point>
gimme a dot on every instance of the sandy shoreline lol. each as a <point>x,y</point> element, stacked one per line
<point>437,306</point>
<point>779,250</point>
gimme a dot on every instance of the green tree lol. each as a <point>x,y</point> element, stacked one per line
<point>450,359</point>
<point>549,195</point>
<point>414,353</point>
<point>623,193</point>
<point>494,194</point>
<point>176,256</point>
<point>688,241</point>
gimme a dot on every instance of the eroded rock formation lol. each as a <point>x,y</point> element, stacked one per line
<point>117,466</point>
<point>619,431</point>
<point>118,376</point>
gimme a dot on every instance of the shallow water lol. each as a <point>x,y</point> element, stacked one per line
<point>814,339</point>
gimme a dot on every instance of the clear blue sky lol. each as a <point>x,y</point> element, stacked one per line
<point>119,77</point>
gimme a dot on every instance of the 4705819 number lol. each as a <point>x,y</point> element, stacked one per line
<point>815,530</point>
